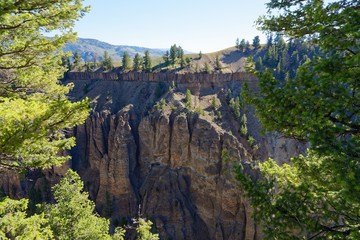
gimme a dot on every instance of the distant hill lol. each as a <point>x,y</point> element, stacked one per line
<point>88,48</point>
<point>283,58</point>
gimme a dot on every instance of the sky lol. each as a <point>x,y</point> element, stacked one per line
<point>195,25</point>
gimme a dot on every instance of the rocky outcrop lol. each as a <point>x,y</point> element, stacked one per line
<point>166,162</point>
<point>105,156</point>
<point>185,186</point>
<point>170,169</point>
<point>162,77</point>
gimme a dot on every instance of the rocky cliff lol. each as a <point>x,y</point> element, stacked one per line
<point>144,151</point>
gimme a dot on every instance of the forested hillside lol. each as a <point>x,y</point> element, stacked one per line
<point>283,57</point>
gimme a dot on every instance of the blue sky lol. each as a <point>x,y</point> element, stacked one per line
<point>195,25</point>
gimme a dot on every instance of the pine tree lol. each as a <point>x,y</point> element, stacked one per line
<point>94,61</point>
<point>237,43</point>
<point>218,65</point>
<point>144,230</point>
<point>243,128</point>
<point>242,45</point>
<point>188,61</point>
<point>188,100</point>
<point>182,62</point>
<point>166,58</point>
<point>33,107</point>
<point>77,61</point>
<point>147,62</point>
<point>259,64</point>
<point>137,62</point>
<point>173,54</point>
<point>107,62</point>
<point>126,62</point>
<point>316,196</point>
<point>180,56</point>
<point>179,52</point>
<point>256,42</point>
<point>65,62</point>
<point>247,46</point>
<point>76,211</point>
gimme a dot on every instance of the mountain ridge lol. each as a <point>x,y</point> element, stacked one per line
<point>89,47</point>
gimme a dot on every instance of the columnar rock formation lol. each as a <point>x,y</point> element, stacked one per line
<point>166,162</point>
<point>161,77</point>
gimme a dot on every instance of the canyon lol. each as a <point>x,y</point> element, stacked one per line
<point>143,151</point>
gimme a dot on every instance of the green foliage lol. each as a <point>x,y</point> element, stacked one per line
<point>200,55</point>
<point>33,106</point>
<point>94,61</point>
<point>126,62</point>
<point>242,45</point>
<point>218,65</point>
<point>179,53</point>
<point>228,94</point>
<point>176,55</point>
<point>247,46</point>
<point>72,216</point>
<point>160,105</point>
<point>119,234</point>
<point>317,195</point>
<point>147,66</point>
<point>214,105</point>
<point>107,62</point>
<point>251,140</point>
<point>188,61</point>
<point>207,68</point>
<point>34,199</point>
<point>15,224</point>
<point>143,230</point>
<point>243,127</point>
<point>235,106</point>
<point>259,64</point>
<point>173,54</point>
<point>199,110</point>
<point>166,58</point>
<point>219,116</point>
<point>88,66</point>
<point>77,61</point>
<point>188,100</point>
<point>137,62</point>
<point>182,62</point>
<point>237,43</point>
<point>66,63</point>
<point>256,42</point>
<point>285,58</point>
<point>172,87</point>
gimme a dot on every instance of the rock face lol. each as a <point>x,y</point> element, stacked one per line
<point>170,169</point>
<point>105,156</point>
<point>183,179</point>
<point>166,163</point>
